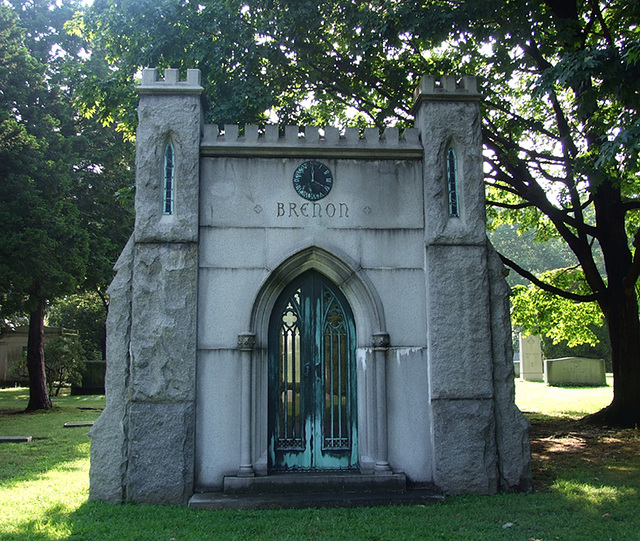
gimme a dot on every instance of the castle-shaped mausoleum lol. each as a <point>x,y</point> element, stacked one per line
<point>300,303</point>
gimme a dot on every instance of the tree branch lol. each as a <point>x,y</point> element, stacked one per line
<point>629,281</point>
<point>547,287</point>
<point>631,205</point>
<point>514,206</point>
<point>528,188</point>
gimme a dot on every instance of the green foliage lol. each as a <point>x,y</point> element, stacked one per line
<point>44,250</point>
<point>64,362</point>
<point>85,313</point>
<point>532,254</point>
<point>540,312</point>
<point>62,223</point>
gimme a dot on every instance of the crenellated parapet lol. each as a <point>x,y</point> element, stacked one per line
<point>171,84</point>
<point>294,141</point>
<point>446,88</point>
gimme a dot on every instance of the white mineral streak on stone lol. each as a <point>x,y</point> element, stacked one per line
<point>404,352</point>
<point>361,355</point>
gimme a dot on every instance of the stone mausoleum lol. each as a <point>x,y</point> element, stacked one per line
<point>303,302</point>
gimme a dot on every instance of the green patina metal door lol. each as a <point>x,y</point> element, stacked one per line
<point>312,406</point>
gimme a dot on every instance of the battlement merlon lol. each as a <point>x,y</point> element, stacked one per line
<point>171,84</point>
<point>445,88</point>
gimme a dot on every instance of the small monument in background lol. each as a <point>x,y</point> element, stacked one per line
<point>531,360</point>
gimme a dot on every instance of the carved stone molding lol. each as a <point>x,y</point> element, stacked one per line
<point>246,341</point>
<point>381,340</point>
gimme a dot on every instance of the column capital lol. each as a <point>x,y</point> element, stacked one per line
<point>380,340</point>
<point>246,341</point>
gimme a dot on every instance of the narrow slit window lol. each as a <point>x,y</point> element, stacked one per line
<point>169,179</point>
<point>452,182</point>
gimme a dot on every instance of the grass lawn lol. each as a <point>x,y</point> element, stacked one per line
<point>587,480</point>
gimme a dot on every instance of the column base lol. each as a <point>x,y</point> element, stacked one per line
<point>246,471</point>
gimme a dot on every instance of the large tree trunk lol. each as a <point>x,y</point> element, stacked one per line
<point>620,307</point>
<point>38,395</point>
<point>624,332</point>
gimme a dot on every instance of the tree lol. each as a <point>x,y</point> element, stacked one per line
<point>561,108</point>
<point>536,311</point>
<point>64,362</point>
<point>61,222</point>
<point>539,311</point>
<point>43,249</point>
<point>86,314</point>
<point>534,255</point>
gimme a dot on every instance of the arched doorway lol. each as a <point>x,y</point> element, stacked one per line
<point>312,378</point>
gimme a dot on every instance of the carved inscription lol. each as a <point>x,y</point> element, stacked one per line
<point>312,210</point>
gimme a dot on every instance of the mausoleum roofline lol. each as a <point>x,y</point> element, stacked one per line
<point>295,141</point>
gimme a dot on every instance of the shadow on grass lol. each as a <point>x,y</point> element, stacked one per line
<point>566,449</point>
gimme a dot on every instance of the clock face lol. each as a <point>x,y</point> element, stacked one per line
<point>312,180</point>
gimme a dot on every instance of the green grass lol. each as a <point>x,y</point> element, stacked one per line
<point>588,496</point>
<point>574,402</point>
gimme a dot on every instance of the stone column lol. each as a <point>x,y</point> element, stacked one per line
<point>246,344</point>
<point>381,348</point>
<point>457,282</point>
<point>163,344</point>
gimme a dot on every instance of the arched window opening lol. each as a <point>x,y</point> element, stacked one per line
<point>169,179</point>
<point>452,182</point>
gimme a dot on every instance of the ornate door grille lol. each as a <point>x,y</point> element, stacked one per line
<point>312,378</point>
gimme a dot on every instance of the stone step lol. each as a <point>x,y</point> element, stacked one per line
<point>325,482</point>
<point>296,500</point>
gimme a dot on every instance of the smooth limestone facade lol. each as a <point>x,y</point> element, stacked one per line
<point>187,376</point>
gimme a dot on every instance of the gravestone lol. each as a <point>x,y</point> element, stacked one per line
<point>297,301</point>
<point>575,371</point>
<point>531,360</point>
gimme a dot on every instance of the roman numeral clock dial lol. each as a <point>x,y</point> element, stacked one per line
<point>312,180</point>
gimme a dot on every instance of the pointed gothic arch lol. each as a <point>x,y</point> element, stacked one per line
<point>372,346</point>
<point>352,282</point>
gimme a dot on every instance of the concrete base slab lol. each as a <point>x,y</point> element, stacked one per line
<point>292,500</point>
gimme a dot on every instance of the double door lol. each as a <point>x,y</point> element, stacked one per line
<point>312,406</point>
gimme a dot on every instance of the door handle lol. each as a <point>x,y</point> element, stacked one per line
<point>307,369</point>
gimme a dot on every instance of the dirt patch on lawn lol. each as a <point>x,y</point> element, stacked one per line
<point>11,411</point>
<point>559,445</point>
